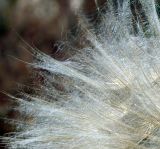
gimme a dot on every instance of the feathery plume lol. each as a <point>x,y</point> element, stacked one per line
<point>111,88</point>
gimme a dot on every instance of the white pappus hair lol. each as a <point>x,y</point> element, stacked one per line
<point>111,89</point>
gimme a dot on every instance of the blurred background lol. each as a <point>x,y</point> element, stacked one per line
<point>40,24</point>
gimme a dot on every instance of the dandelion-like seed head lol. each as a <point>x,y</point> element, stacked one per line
<point>110,97</point>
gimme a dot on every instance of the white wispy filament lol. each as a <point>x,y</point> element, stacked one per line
<point>111,89</point>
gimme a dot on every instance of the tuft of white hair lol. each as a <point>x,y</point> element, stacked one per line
<point>111,89</point>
